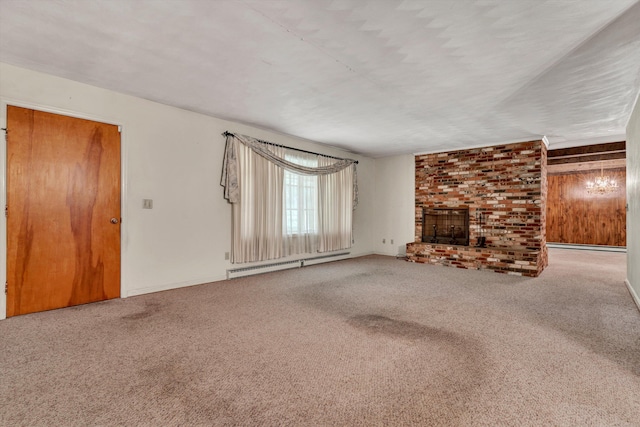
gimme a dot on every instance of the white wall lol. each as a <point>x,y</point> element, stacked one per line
<point>394,204</point>
<point>633,201</point>
<point>174,157</point>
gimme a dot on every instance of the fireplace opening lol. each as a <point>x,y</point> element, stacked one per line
<point>445,226</point>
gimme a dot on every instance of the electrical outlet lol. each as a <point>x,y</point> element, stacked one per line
<point>384,240</point>
<point>226,256</point>
<point>147,203</point>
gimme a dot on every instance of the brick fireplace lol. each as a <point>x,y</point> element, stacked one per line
<point>502,192</point>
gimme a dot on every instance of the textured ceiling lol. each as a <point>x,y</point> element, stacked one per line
<point>375,77</point>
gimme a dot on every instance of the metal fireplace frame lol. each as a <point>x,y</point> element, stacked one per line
<point>449,226</point>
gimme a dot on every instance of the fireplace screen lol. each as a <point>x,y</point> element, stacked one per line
<point>446,226</point>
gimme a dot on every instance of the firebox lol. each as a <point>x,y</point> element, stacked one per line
<point>446,226</point>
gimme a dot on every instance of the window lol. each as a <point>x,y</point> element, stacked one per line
<point>276,212</point>
<point>300,199</point>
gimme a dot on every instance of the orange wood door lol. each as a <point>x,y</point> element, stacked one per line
<point>63,189</point>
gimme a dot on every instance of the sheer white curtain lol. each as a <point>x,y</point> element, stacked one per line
<point>286,202</point>
<point>257,216</point>
<point>335,208</point>
<point>300,221</point>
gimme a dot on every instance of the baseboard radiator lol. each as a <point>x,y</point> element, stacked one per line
<point>587,247</point>
<point>284,265</point>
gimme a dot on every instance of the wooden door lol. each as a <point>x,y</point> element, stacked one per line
<point>63,211</point>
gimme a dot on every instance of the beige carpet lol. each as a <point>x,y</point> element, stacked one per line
<point>364,342</point>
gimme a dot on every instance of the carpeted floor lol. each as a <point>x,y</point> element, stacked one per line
<point>363,342</point>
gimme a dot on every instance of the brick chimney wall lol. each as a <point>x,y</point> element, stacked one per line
<point>506,183</point>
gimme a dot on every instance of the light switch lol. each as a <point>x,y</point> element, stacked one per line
<point>147,203</point>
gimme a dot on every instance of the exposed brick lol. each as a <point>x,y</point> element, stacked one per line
<point>508,185</point>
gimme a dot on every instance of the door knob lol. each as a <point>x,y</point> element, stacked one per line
<point>114,220</point>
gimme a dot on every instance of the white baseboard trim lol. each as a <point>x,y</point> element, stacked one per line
<point>323,260</point>
<point>587,247</point>
<point>168,286</point>
<point>251,269</point>
<point>389,254</point>
<point>633,293</point>
<point>359,254</point>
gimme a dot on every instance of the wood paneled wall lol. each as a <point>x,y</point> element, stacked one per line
<point>575,216</point>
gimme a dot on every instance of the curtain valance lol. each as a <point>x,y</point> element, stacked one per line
<point>230,165</point>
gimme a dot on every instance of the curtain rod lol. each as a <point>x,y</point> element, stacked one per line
<point>227,133</point>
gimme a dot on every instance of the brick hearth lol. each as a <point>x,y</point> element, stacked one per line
<point>508,185</point>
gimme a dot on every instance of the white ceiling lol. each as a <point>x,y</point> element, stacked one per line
<point>375,77</point>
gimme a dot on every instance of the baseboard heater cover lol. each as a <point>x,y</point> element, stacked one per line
<point>282,265</point>
<point>587,247</point>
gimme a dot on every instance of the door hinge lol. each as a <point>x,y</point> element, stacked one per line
<point>6,288</point>
<point>6,211</point>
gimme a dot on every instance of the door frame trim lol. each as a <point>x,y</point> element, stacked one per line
<point>124,157</point>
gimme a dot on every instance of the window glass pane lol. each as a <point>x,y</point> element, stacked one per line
<point>300,199</point>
